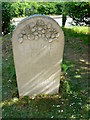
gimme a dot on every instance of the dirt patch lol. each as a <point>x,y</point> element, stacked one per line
<point>75,50</point>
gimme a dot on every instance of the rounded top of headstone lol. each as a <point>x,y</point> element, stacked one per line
<point>38,26</point>
<point>36,16</point>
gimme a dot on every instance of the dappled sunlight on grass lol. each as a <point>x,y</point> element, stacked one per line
<point>84,61</point>
<point>9,103</point>
<point>71,102</point>
<point>79,29</point>
<point>49,105</point>
<point>77,32</point>
<point>86,68</point>
<point>77,76</point>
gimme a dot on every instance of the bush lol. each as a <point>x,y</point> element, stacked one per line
<point>6,17</point>
<point>78,11</point>
<point>30,8</point>
<point>46,8</point>
<point>41,9</point>
<point>58,8</point>
<point>21,9</point>
<point>50,8</point>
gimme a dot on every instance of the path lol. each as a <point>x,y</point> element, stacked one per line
<point>58,18</point>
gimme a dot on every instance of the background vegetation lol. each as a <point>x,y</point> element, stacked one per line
<point>78,11</point>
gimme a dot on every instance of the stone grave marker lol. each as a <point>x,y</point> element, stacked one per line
<point>38,43</point>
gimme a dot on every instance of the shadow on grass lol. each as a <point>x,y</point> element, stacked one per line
<point>72,102</point>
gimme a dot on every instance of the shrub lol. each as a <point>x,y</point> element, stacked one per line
<point>58,7</point>
<point>6,17</point>
<point>31,9</point>
<point>50,8</point>
<point>47,8</point>
<point>78,11</point>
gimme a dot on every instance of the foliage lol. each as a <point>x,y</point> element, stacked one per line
<point>29,8</point>
<point>59,8</point>
<point>21,9</point>
<point>18,9</point>
<point>47,8</point>
<point>6,17</point>
<point>78,11</point>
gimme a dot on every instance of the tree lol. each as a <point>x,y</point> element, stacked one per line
<point>78,11</point>
<point>64,14</point>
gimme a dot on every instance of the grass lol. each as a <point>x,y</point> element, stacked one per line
<point>78,32</point>
<point>72,102</point>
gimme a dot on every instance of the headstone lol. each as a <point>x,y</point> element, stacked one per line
<point>38,43</point>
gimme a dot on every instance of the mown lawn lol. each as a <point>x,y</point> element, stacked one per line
<point>71,102</point>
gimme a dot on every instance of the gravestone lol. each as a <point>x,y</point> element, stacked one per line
<point>38,43</point>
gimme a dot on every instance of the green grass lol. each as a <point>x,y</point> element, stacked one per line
<point>72,102</point>
<point>81,30</point>
<point>78,32</point>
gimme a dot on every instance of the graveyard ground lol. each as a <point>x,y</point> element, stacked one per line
<point>72,102</point>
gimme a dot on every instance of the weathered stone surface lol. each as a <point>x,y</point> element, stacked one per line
<point>38,44</point>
